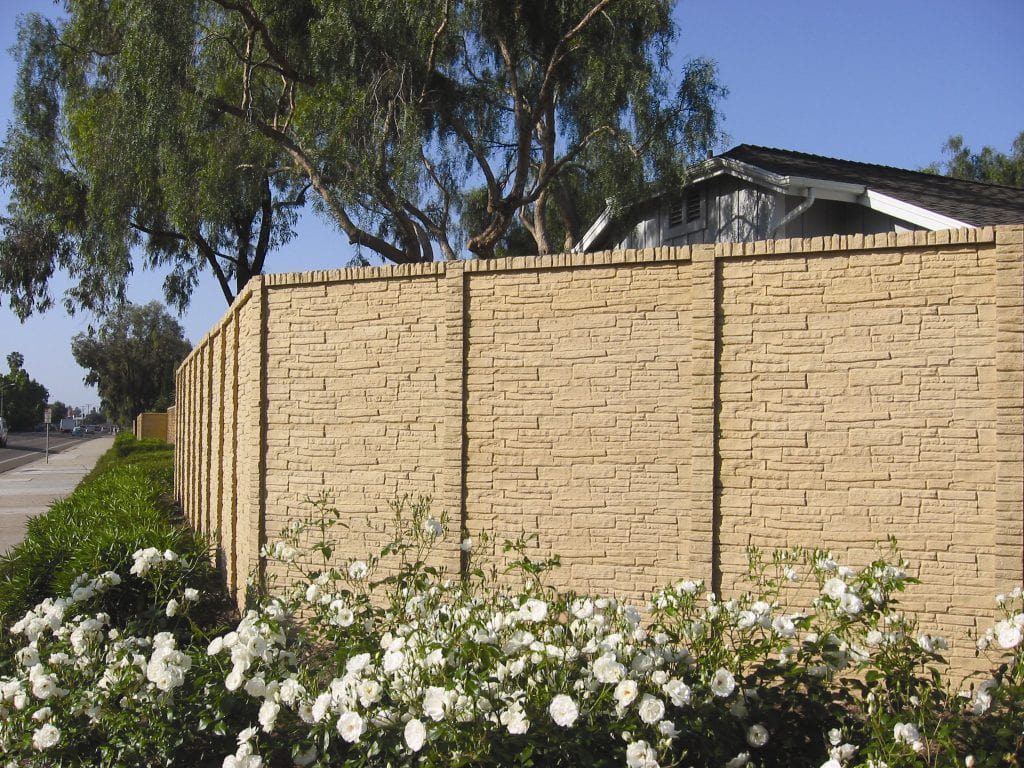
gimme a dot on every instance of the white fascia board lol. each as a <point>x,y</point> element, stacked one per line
<point>824,189</point>
<point>595,231</point>
<point>724,166</point>
<point>915,214</point>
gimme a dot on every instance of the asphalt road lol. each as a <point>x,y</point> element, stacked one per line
<point>23,447</point>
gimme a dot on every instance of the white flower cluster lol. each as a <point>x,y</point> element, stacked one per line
<point>75,655</point>
<point>147,559</point>
<point>167,666</point>
<point>442,661</point>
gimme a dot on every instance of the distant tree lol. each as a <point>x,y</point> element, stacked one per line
<point>58,411</point>
<point>95,417</point>
<point>132,358</point>
<point>988,165</point>
<point>23,396</point>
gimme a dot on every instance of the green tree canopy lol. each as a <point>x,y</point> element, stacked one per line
<point>988,165</point>
<point>114,162</point>
<point>131,358</point>
<point>23,397</point>
<point>424,128</point>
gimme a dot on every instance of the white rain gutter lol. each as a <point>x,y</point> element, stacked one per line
<point>809,198</point>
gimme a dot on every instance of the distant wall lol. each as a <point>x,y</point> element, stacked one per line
<point>649,413</point>
<point>152,425</point>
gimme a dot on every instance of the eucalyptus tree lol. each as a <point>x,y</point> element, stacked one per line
<point>421,129</point>
<point>112,164</point>
<point>407,115</point>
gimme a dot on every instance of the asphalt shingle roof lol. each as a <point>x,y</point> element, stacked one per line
<point>971,202</point>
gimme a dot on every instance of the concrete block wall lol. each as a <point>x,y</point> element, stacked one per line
<point>648,413</point>
<point>151,425</point>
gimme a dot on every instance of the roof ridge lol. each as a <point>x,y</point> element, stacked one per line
<point>889,168</point>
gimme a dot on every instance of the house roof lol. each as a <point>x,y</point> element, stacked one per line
<point>926,200</point>
<point>971,202</point>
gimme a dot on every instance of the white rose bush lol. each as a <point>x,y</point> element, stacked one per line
<point>390,661</point>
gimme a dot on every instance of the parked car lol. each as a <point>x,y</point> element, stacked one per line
<point>78,431</point>
<point>3,433</point>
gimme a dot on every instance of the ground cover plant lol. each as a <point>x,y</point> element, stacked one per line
<point>391,661</point>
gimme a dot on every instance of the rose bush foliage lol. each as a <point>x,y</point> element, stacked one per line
<point>392,661</point>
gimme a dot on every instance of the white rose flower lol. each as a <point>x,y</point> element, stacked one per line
<point>415,735</point>
<point>722,683</point>
<point>757,735</point>
<point>640,754</point>
<point>850,604</point>
<point>172,608</point>
<point>739,761</point>
<point>533,610</point>
<point>268,715</point>
<point>834,588</point>
<point>607,670</point>
<point>434,527</point>
<point>1008,634</point>
<point>651,709</point>
<point>357,570</point>
<point>677,691</point>
<point>356,664</point>
<point>45,736</point>
<point>393,660</point>
<point>435,702</point>
<point>514,719</point>
<point>235,678</point>
<point>191,594</point>
<point>467,544</point>
<point>625,692</point>
<point>350,727</point>
<point>369,692</point>
<point>563,710</point>
<point>906,733</point>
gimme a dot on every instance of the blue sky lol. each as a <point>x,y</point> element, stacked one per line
<point>880,81</point>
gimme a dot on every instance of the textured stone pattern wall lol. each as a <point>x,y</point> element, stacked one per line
<point>151,425</point>
<point>215,449</point>
<point>577,418</point>
<point>857,403</point>
<point>355,402</point>
<point>648,413</point>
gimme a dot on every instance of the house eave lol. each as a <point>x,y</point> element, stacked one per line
<point>800,186</point>
<point>914,214</point>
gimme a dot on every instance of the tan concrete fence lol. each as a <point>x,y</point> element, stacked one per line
<point>648,413</point>
<point>154,424</point>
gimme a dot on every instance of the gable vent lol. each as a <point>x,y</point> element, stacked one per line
<point>686,210</point>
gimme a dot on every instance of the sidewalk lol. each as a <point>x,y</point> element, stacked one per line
<point>30,489</point>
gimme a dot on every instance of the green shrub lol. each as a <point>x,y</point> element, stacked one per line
<point>389,661</point>
<point>122,506</point>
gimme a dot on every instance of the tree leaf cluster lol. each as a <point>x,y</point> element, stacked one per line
<point>194,129</point>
